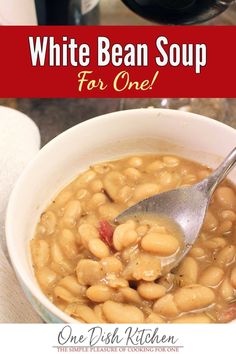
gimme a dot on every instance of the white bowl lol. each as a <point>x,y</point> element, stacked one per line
<point>103,138</point>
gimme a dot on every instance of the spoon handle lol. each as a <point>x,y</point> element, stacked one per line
<point>221,172</point>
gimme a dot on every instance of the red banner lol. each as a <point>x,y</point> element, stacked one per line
<point>111,61</point>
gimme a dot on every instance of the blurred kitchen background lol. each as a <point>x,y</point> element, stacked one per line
<point>105,12</point>
<point>114,12</point>
<point>53,116</point>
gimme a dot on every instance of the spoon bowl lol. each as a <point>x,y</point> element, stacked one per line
<point>186,207</point>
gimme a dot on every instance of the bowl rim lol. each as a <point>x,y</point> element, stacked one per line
<point>31,286</point>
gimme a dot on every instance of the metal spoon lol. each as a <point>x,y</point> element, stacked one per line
<point>185,206</point>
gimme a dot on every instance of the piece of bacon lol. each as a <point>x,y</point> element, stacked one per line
<point>106,231</point>
<point>229,314</point>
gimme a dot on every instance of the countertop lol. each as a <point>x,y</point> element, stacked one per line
<point>53,116</point>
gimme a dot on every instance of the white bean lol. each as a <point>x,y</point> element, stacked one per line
<point>89,272</point>
<point>132,173</point>
<point>145,190</point>
<point>131,295</point>
<point>193,318</point>
<point>154,318</point>
<point>143,267</point>
<point>155,166</point>
<point>40,252</point>
<point>72,213</point>
<point>211,276</point>
<point>171,161</point>
<point>87,232</point>
<point>193,297</point>
<point>233,277</point>
<point>98,248</point>
<point>226,290</point>
<point>122,313</point>
<point>46,278</point>
<point>151,291</point>
<point>113,181</point>
<point>188,271</point>
<point>166,306</point>
<point>226,255</point>
<point>124,236</point>
<point>99,293</point>
<point>68,244</point>
<point>226,197</point>
<point>70,283</point>
<point>86,314</point>
<point>135,162</point>
<point>49,221</point>
<point>210,222</point>
<point>160,244</point>
<point>111,265</point>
